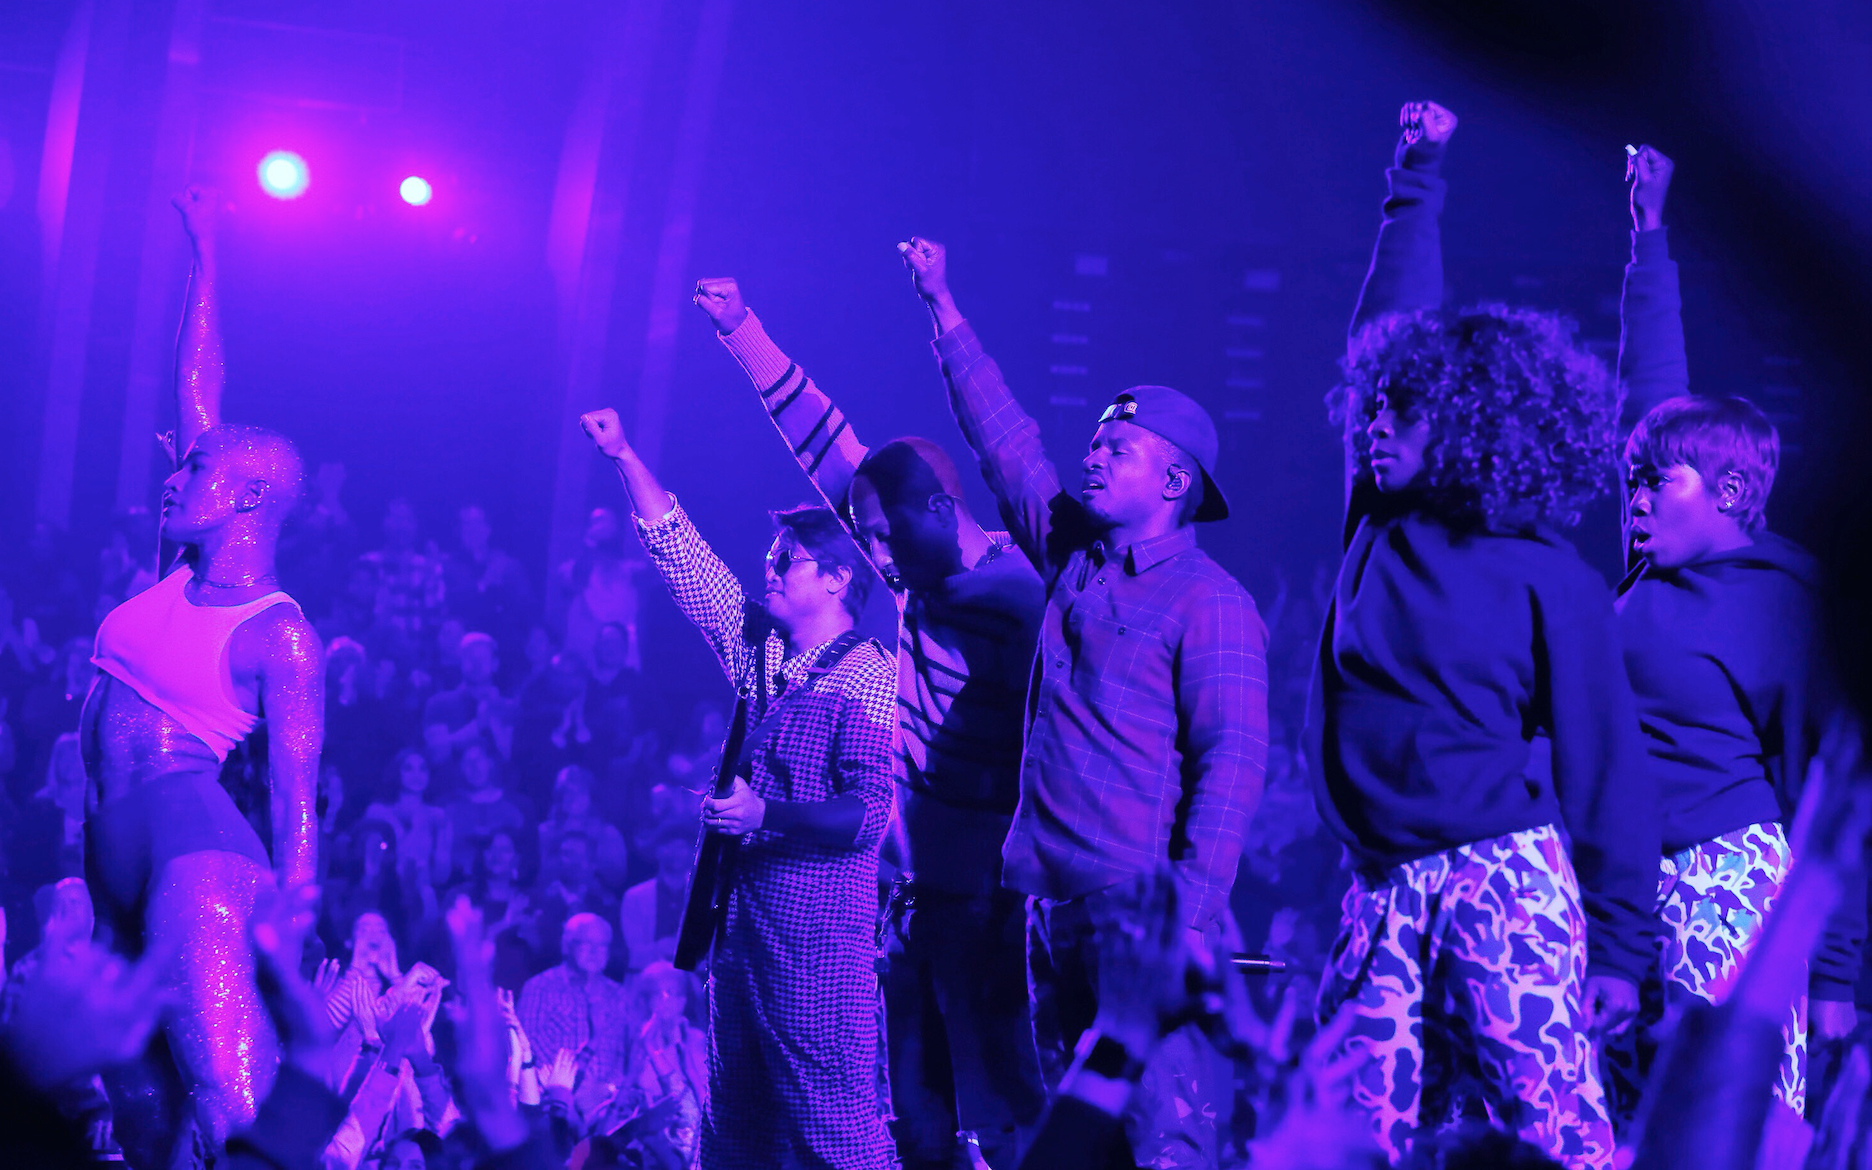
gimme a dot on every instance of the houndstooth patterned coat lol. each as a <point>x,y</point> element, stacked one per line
<point>793,1036</point>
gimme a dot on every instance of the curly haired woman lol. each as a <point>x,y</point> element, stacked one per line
<point>1473,739</point>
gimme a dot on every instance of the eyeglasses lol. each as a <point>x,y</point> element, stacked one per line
<point>783,561</point>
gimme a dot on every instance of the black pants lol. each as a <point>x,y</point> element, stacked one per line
<point>1187,1089</point>
<point>960,1043</point>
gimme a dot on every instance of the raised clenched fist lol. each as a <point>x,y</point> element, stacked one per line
<point>720,298</point>
<point>1427,121</point>
<point>197,206</point>
<point>607,433</point>
<point>929,267</point>
<point>1649,173</point>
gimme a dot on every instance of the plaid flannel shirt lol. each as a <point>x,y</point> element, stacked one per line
<point>1147,712</point>
<point>410,590</point>
<point>589,1016</point>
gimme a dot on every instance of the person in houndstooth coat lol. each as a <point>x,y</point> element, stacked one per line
<point>792,987</point>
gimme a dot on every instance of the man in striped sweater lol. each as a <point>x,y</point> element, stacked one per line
<point>962,1056</point>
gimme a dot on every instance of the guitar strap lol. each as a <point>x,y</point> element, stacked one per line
<point>769,717</point>
<point>704,902</point>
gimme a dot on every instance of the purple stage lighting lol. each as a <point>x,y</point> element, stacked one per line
<point>416,191</point>
<point>283,175</point>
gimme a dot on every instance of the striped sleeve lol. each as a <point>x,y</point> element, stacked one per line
<point>814,428</point>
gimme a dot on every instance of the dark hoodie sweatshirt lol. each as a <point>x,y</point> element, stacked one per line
<point>1468,683</point>
<point>1722,657</point>
<point>1723,654</point>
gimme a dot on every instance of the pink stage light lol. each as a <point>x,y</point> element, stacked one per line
<point>416,191</point>
<point>283,175</point>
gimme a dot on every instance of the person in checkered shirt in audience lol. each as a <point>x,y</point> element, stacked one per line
<point>793,1029</point>
<point>1147,712</point>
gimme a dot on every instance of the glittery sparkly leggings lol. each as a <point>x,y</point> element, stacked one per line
<point>199,906</point>
<point>174,866</point>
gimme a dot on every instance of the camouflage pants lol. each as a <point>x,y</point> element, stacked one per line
<point>1713,899</point>
<point>1465,972</point>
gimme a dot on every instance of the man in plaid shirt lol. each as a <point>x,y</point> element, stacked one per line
<point>793,1039</point>
<point>1147,711</point>
<point>576,1008</point>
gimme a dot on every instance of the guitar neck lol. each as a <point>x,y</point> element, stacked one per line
<point>731,750</point>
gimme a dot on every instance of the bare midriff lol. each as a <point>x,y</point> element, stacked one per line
<point>128,741</point>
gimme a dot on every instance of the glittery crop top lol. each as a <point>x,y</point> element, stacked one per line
<point>174,653</point>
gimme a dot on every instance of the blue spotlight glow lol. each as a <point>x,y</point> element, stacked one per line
<point>416,191</point>
<point>283,175</point>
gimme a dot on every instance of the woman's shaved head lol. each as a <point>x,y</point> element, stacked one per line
<point>244,476</point>
<point>257,453</point>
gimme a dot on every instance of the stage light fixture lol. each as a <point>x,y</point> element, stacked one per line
<point>283,175</point>
<point>416,191</point>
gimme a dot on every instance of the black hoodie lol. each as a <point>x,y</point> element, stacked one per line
<point>1467,684</point>
<point>1723,656</point>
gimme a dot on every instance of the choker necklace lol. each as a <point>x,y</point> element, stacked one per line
<point>262,579</point>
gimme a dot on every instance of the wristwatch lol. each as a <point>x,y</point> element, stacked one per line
<point>1113,1061</point>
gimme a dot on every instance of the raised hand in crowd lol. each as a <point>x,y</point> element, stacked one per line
<point>1836,828</point>
<point>1709,1100</point>
<point>1649,173</point>
<point>510,1016</point>
<point>519,913</point>
<point>481,1050</point>
<point>522,1071</point>
<point>22,638</point>
<point>1143,965</point>
<point>402,1036</point>
<point>720,298</point>
<point>1146,974</point>
<point>1321,1129</point>
<point>86,1011</point>
<point>560,1073</point>
<point>326,979</point>
<point>279,928</point>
